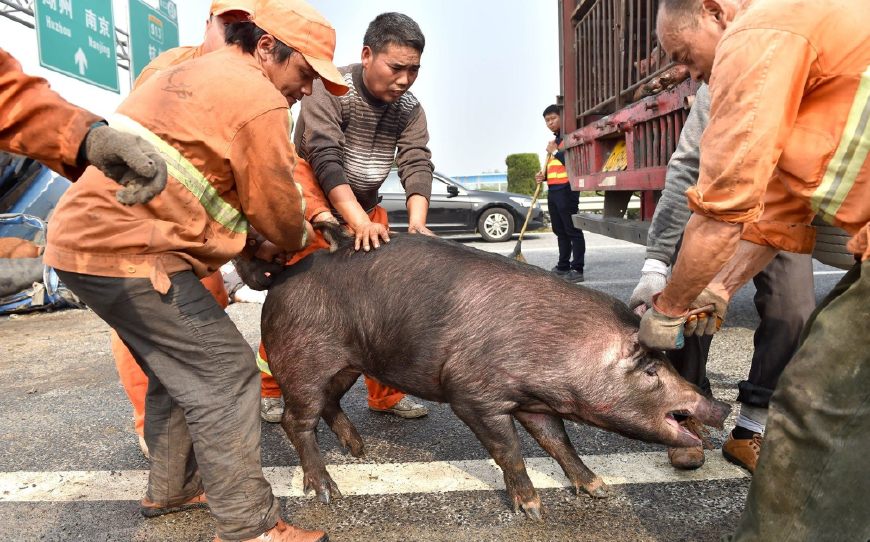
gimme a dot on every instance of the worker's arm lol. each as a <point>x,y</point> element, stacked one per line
<point>414,160</point>
<point>261,157</point>
<point>758,82</point>
<point>36,122</point>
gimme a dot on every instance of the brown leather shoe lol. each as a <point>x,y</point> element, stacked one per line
<point>284,532</point>
<point>692,457</point>
<point>152,510</point>
<point>743,452</point>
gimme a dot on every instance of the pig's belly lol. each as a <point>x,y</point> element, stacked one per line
<point>416,379</point>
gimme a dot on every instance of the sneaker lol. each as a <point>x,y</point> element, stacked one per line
<point>144,447</point>
<point>271,409</point>
<point>573,276</point>
<point>152,510</point>
<point>559,272</point>
<point>692,457</point>
<point>743,452</point>
<point>406,408</point>
<point>284,532</point>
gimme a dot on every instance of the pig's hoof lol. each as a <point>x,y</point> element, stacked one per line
<point>532,510</point>
<point>325,489</point>
<point>354,446</point>
<point>596,489</point>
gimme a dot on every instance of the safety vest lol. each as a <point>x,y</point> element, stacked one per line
<point>556,172</point>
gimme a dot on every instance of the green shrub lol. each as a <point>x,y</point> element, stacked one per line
<point>521,170</point>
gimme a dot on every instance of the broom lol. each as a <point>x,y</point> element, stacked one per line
<point>517,254</point>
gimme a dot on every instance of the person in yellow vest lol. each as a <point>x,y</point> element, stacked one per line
<point>562,203</point>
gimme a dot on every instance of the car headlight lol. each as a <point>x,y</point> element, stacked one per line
<point>525,202</point>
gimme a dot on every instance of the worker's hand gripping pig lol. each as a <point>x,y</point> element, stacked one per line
<point>416,315</point>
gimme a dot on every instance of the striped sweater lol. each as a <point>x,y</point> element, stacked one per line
<point>354,139</point>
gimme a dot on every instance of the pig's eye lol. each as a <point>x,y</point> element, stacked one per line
<point>650,369</point>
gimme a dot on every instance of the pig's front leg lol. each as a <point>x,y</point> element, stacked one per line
<point>550,433</point>
<point>499,435</point>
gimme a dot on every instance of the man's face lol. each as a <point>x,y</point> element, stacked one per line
<point>390,73</point>
<point>692,39</point>
<point>215,29</point>
<point>554,122</point>
<point>294,77</point>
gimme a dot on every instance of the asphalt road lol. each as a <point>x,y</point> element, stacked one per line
<point>70,468</point>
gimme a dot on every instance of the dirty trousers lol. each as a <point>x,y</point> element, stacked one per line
<point>202,422</point>
<point>811,482</point>
<point>784,299</point>
<point>380,396</point>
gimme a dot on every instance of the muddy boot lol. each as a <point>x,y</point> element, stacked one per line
<point>406,408</point>
<point>692,457</point>
<point>284,532</point>
<point>271,409</point>
<point>152,510</point>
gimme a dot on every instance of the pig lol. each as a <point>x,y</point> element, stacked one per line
<point>417,315</point>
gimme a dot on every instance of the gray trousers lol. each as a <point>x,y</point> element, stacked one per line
<point>784,299</point>
<point>202,422</point>
<point>812,481</point>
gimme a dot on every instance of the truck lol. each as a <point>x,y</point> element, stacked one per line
<point>623,107</point>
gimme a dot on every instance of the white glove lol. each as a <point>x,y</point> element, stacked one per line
<point>653,278</point>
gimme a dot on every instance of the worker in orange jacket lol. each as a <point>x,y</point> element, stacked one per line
<point>230,164</point>
<point>36,122</point>
<point>788,139</point>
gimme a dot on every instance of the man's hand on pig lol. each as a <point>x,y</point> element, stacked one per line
<point>659,331</point>
<point>369,235</point>
<point>653,278</point>
<point>707,323</point>
<point>420,228</point>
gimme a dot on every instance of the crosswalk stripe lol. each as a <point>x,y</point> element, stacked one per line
<point>374,478</point>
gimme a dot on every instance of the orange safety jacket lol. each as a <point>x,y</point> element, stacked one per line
<point>36,122</point>
<point>230,162</point>
<point>556,172</point>
<point>789,130</point>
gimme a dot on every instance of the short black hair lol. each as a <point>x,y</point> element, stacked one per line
<point>246,35</point>
<point>393,28</point>
<point>555,108</point>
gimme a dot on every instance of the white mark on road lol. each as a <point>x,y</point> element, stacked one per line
<point>373,479</point>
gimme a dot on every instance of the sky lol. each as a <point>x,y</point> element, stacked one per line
<point>489,69</point>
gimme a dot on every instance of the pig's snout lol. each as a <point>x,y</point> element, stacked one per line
<point>712,412</point>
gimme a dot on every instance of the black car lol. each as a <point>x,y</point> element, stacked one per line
<point>456,209</point>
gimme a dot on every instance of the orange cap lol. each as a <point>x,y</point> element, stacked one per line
<point>301,27</point>
<point>219,7</point>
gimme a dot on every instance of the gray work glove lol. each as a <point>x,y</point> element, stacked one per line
<point>706,322</point>
<point>653,279</point>
<point>129,160</point>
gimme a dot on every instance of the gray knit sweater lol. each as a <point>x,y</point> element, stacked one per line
<point>672,211</point>
<point>354,139</point>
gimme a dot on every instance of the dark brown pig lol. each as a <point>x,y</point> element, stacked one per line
<point>416,315</point>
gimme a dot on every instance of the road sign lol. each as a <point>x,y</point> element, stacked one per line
<point>152,31</point>
<point>77,38</point>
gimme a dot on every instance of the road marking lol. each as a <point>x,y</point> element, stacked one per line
<point>374,479</point>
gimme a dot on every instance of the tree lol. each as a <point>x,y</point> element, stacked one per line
<point>521,170</point>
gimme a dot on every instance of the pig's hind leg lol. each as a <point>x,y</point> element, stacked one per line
<point>550,433</point>
<point>305,400</point>
<point>335,417</point>
<point>498,434</point>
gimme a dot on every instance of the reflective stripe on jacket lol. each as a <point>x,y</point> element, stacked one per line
<point>556,173</point>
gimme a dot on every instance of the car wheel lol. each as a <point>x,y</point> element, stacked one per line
<point>496,225</point>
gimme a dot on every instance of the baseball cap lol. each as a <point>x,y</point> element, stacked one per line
<point>219,7</point>
<point>301,27</point>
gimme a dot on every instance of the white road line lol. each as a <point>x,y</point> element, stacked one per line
<point>373,479</point>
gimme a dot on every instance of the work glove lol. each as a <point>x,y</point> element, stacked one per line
<point>653,278</point>
<point>659,331</point>
<point>705,321</point>
<point>129,160</point>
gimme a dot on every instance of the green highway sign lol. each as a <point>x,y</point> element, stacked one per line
<point>152,31</point>
<point>77,38</point>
